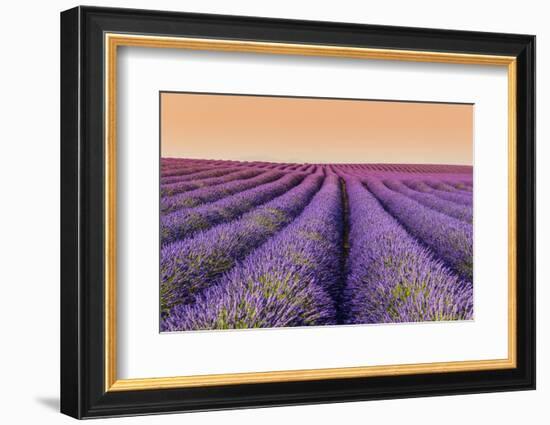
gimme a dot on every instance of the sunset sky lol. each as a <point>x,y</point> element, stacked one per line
<point>284,129</point>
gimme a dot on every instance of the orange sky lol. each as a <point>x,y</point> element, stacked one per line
<point>283,129</point>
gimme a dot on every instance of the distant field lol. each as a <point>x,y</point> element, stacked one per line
<point>260,245</point>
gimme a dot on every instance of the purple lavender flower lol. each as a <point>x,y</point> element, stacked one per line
<point>449,238</point>
<point>202,195</point>
<point>457,197</point>
<point>441,185</point>
<point>451,209</point>
<point>391,277</point>
<point>185,222</point>
<point>290,280</point>
<point>171,189</point>
<point>259,244</point>
<point>205,173</point>
<point>187,267</point>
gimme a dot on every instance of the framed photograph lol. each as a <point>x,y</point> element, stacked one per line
<point>261,212</point>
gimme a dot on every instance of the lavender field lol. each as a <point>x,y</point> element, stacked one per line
<point>261,245</point>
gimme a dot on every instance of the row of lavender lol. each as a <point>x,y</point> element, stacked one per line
<point>461,173</point>
<point>266,245</point>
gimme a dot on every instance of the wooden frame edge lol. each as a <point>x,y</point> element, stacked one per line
<point>306,375</point>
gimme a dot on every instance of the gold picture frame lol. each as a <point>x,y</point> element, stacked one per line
<point>114,41</point>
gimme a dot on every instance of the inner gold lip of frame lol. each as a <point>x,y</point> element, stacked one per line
<point>113,41</point>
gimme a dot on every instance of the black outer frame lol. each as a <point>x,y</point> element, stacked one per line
<point>82,218</point>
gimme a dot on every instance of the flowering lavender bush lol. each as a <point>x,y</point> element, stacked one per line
<point>461,212</point>
<point>213,193</point>
<point>441,185</point>
<point>170,189</point>
<point>184,223</point>
<point>457,197</point>
<point>288,281</point>
<point>392,278</point>
<point>181,169</point>
<point>462,185</point>
<point>259,244</point>
<point>190,265</point>
<point>449,238</point>
<point>184,175</point>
